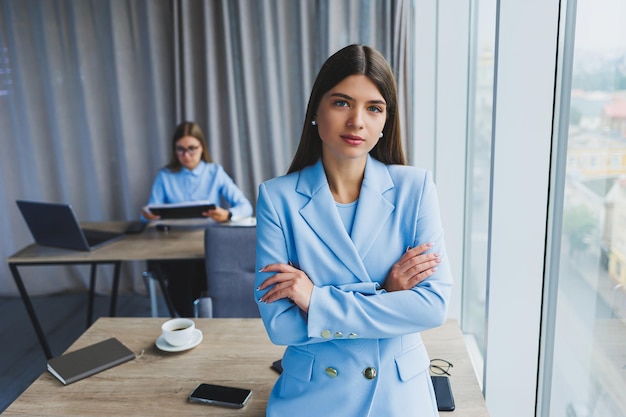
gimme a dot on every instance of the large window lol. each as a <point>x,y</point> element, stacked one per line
<point>479,133</point>
<point>585,311</point>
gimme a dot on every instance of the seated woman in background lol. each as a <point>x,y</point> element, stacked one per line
<point>192,176</point>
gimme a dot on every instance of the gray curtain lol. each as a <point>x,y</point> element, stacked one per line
<point>245,70</point>
<point>90,91</point>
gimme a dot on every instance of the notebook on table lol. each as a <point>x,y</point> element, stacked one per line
<point>55,224</point>
<point>89,360</point>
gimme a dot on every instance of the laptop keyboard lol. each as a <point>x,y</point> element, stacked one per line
<point>96,237</point>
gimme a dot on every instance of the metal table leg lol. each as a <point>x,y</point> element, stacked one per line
<point>92,291</point>
<point>164,290</point>
<point>114,290</point>
<point>31,311</point>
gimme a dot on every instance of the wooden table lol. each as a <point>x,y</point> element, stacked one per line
<point>235,352</point>
<point>184,240</point>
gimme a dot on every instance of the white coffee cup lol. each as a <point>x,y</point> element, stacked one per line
<point>178,332</point>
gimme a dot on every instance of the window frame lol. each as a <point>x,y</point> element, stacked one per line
<point>524,100</point>
<point>521,162</point>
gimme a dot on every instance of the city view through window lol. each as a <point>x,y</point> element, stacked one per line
<point>585,321</point>
<point>588,376</point>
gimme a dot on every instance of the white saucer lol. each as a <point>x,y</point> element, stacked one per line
<point>196,338</point>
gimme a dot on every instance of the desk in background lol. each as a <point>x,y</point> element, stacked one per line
<point>235,352</point>
<point>182,241</point>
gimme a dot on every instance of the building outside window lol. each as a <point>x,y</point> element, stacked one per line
<point>585,316</point>
<point>583,347</point>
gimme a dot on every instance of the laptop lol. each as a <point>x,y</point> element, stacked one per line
<point>55,224</point>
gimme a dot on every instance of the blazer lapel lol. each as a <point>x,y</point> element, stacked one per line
<point>322,216</point>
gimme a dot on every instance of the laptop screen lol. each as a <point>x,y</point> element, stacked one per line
<point>55,224</point>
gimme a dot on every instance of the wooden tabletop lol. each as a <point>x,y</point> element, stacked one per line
<point>234,352</point>
<point>183,240</point>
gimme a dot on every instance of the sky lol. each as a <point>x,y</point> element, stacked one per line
<point>601,24</point>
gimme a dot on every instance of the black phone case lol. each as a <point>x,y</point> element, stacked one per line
<point>443,392</point>
<point>231,397</point>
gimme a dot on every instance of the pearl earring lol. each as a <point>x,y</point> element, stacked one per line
<point>314,123</point>
<point>381,135</point>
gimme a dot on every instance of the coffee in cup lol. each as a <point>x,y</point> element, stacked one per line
<point>178,332</point>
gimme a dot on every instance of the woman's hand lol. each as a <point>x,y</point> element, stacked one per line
<point>289,282</point>
<point>412,268</point>
<point>149,215</point>
<point>218,214</point>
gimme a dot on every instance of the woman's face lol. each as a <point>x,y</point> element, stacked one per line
<point>189,151</point>
<point>350,119</point>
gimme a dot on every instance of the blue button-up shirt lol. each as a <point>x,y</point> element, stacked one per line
<point>206,182</point>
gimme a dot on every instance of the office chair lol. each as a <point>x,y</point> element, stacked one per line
<point>230,256</point>
<point>203,307</point>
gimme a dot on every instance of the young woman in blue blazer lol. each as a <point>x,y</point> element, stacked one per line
<point>351,258</point>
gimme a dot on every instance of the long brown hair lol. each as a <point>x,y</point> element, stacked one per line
<point>182,130</point>
<point>351,60</point>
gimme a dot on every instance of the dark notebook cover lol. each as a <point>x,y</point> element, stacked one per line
<point>89,360</point>
<point>181,210</point>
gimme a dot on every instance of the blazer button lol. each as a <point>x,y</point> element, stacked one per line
<point>352,336</point>
<point>338,335</point>
<point>369,372</point>
<point>326,334</point>
<point>331,372</point>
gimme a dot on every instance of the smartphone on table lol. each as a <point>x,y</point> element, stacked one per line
<point>221,395</point>
<point>443,392</point>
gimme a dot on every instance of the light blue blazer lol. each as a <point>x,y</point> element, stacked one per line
<point>358,352</point>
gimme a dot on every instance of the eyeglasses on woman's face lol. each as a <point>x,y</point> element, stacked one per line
<point>191,150</point>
